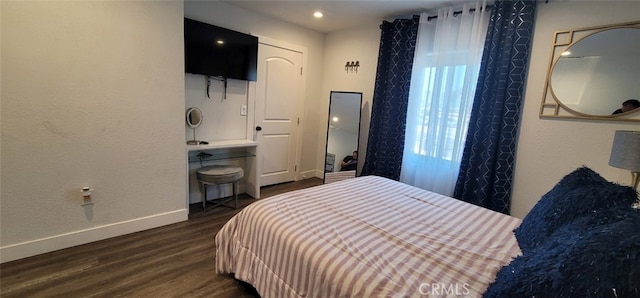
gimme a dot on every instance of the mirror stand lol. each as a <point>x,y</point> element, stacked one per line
<point>194,141</point>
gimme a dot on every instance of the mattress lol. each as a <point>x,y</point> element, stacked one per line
<point>365,237</point>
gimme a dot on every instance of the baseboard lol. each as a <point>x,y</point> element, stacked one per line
<point>57,242</point>
<point>311,174</point>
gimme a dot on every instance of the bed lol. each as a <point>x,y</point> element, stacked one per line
<point>366,237</point>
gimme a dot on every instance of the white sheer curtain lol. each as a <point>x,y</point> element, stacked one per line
<point>443,83</point>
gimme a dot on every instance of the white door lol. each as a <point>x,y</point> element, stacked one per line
<point>279,96</point>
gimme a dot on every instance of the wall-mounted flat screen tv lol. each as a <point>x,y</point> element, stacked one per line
<point>215,51</point>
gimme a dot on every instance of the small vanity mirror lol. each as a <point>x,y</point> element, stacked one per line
<point>592,72</point>
<point>343,131</point>
<point>194,119</point>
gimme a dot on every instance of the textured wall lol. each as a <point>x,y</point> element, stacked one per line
<point>92,95</point>
<point>549,149</point>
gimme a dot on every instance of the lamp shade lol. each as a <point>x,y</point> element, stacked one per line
<point>625,153</point>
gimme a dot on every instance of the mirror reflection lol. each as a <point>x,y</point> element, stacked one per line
<point>593,73</point>
<point>194,117</point>
<point>343,130</point>
<point>598,73</point>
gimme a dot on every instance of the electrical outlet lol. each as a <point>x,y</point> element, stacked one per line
<point>243,110</point>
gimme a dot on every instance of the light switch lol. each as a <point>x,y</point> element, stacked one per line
<point>243,110</point>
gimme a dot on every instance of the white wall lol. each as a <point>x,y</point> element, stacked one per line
<point>221,119</point>
<point>238,19</point>
<point>92,95</point>
<point>549,149</point>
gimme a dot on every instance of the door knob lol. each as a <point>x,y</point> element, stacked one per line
<point>258,128</point>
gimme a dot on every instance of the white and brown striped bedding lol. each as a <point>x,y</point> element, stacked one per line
<point>365,237</point>
<point>332,177</point>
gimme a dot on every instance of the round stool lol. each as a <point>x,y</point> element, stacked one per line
<point>220,174</point>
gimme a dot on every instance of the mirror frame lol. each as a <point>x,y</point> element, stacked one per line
<point>193,126</point>
<point>551,106</point>
<point>326,149</point>
<point>188,117</point>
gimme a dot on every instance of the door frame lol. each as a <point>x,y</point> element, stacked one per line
<point>299,107</point>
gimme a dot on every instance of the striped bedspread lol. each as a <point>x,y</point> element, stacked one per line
<point>332,177</point>
<point>366,237</point>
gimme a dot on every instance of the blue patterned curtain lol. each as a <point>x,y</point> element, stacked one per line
<point>487,166</point>
<point>390,98</point>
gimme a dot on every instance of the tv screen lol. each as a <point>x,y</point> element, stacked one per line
<point>215,51</point>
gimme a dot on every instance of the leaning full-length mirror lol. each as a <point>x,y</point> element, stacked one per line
<point>343,131</point>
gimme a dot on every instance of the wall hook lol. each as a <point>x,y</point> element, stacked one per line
<point>352,66</point>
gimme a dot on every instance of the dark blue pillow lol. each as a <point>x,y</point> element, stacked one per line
<point>597,255</point>
<point>577,194</point>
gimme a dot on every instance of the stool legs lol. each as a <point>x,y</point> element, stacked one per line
<point>235,194</point>
<point>234,186</point>
<point>204,197</point>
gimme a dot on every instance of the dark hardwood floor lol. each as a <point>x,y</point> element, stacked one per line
<point>171,261</point>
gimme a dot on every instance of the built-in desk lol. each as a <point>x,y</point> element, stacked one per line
<point>242,153</point>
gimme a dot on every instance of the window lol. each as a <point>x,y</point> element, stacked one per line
<point>445,73</point>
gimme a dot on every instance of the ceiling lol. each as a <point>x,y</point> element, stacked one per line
<point>338,14</point>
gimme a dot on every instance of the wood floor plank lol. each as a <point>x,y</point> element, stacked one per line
<point>171,261</point>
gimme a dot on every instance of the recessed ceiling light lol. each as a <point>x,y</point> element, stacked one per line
<point>566,53</point>
<point>335,119</point>
<point>220,41</point>
<point>317,14</point>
